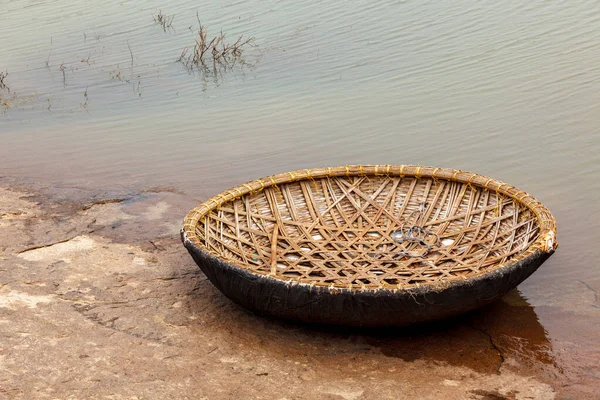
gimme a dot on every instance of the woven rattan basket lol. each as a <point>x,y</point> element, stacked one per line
<point>369,245</point>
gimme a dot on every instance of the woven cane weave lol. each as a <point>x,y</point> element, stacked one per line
<point>369,227</point>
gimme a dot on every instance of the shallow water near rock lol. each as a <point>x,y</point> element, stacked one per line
<point>99,108</point>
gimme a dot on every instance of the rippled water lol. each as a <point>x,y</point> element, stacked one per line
<point>499,88</point>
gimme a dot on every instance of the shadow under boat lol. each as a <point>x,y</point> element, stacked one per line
<point>480,340</point>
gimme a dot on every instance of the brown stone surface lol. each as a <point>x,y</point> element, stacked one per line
<point>99,300</point>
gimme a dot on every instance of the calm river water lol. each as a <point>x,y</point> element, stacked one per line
<point>502,88</point>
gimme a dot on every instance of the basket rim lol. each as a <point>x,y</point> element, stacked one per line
<point>546,241</point>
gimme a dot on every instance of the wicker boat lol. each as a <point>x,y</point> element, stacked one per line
<point>369,245</point>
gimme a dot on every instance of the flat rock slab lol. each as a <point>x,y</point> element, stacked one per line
<point>99,300</point>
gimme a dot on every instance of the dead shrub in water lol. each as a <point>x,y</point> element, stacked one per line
<point>163,20</point>
<point>213,50</point>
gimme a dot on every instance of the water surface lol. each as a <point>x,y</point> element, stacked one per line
<point>505,89</point>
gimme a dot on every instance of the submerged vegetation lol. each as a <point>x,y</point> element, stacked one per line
<point>11,100</point>
<point>211,57</point>
<point>134,80</point>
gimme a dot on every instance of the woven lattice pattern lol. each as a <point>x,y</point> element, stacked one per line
<point>368,230</point>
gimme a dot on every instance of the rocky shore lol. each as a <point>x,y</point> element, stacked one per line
<point>99,300</point>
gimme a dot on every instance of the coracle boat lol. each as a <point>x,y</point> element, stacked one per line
<point>375,245</point>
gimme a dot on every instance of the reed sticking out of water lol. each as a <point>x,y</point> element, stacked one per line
<point>3,85</point>
<point>85,104</point>
<point>213,49</point>
<point>130,53</point>
<point>163,20</point>
<point>62,69</point>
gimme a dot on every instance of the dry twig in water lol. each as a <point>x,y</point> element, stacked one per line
<point>3,85</point>
<point>85,104</point>
<point>62,69</point>
<point>130,53</point>
<point>165,21</point>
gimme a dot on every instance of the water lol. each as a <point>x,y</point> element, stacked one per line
<point>499,88</point>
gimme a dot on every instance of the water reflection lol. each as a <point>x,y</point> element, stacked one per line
<point>481,340</point>
<point>214,74</point>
